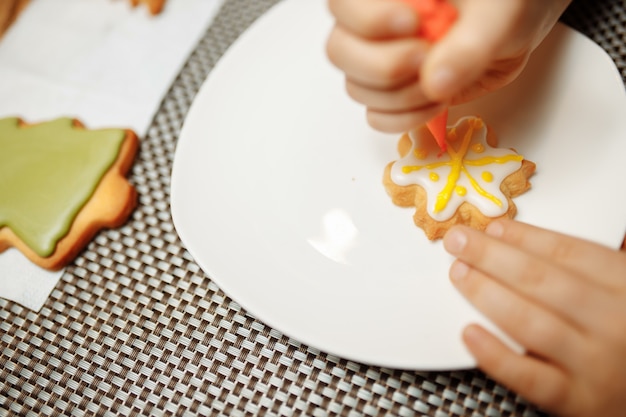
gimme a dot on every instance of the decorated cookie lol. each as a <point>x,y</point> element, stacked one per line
<point>60,184</point>
<point>472,183</point>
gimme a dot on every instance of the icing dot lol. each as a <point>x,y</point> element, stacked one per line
<point>487,176</point>
<point>420,153</point>
<point>478,148</point>
<point>460,190</point>
<point>434,177</point>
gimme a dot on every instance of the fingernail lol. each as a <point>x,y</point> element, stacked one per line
<point>473,335</point>
<point>442,81</point>
<point>458,271</point>
<point>455,241</point>
<point>403,24</point>
<point>495,229</point>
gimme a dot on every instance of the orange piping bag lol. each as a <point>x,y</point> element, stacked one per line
<point>436,17</point>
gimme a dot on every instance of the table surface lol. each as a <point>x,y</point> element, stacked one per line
<point>134,327</point>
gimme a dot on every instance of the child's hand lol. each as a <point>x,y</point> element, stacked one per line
<point>404,82</point>
<point>561,298</point>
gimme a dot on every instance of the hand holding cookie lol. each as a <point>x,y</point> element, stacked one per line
<point>563,299</point>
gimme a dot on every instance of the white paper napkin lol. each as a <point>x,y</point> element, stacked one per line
<point>100,61</point>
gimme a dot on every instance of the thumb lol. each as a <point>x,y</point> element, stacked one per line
<point>463,55</point>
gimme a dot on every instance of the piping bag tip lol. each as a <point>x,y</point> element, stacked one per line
<point>438,127</point>
<point>436,17</point>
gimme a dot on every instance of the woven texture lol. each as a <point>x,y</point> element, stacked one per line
<point>135,328</point>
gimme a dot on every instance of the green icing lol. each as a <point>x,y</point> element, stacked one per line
<point>47,173</point>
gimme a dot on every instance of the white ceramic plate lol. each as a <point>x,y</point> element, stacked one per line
<point>277,193</point>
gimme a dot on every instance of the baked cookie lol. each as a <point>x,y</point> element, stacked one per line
<point>60,184</point>
<point>472,183</point>
<point>9,11</point>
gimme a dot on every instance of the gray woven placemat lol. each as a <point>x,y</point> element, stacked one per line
<point>135,327</point>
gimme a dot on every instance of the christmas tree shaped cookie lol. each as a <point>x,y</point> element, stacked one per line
<point>60,184</point>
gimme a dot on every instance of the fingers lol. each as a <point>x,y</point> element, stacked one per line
<point>537,381</point>
<point>556,289</point>
<point>468,49</point>
<point>535,328</point>
<point>373,43</point>
<point>384,77</point>
<point>402,121</point>
<point>374,19</point>
<point>555,372</point>
<point>405,97</point>
<point>574,254</point>
<point>380,65</point>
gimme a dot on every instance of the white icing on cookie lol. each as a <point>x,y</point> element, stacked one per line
<point>470,170</point>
